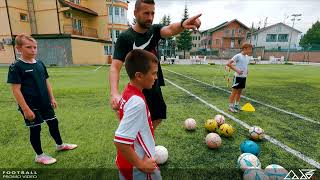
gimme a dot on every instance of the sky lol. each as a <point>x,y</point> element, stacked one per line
<point>215,12</point>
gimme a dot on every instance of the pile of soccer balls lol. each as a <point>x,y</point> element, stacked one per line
<point>249,162</point>
<point>216,128</point>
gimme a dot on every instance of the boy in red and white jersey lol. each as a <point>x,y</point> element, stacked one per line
<point>134,137</point>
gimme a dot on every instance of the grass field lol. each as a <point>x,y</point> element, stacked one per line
<point>85,118</point>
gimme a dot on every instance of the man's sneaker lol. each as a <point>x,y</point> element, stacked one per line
<point>237,107</point>
<point>44,159</point>
<point>232,109</point>
<point>64,147</point>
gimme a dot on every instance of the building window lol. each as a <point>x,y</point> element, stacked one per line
<point>240,31</point>
<point>239,42</point>
<point>122,11</point>
<point>117,33</point>
<point>75,1</point>
<point>77,25</point>
<point>116,11</point>
<point>110,10</point>
<point>23,17</point>
<point>283,37</point>
<point>232,32</point>
<point>271,38</point>
<point>107,50</point>
<point>226,32</point>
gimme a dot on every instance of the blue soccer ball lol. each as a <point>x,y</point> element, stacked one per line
<point>249,146</point>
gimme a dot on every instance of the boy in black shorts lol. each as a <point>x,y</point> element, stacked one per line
<point>33,93</point>
<point>241,71</point>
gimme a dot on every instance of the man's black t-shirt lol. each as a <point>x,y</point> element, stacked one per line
<point>32,77</point>
<point>130,39</point>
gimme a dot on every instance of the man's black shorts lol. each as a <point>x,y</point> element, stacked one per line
<point>156,104</point>
<point>239,82</point>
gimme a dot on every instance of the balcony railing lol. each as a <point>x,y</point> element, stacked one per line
<point>83,31</point>
<point>235,35</point>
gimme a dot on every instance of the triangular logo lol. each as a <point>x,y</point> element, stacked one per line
<point>303,176</point>
<point>309,173</point>
<point>291,175</point>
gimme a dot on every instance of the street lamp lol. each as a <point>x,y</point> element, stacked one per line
<point>293,20</point>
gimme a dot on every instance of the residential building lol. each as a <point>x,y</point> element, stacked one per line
<point>276,36</point>
<point>68,31</point>
<point>196,41</point>
<point>228,35</point>
<point>118,21</point>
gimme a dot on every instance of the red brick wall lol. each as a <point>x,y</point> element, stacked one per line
<point>226,42</point>
<point>217,35</point>
<point>314,56</point>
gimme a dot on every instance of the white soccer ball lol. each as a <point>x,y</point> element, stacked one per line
<point>248,161</point>
<point>253,174</point>
<point>190,124</point>
<point>213,140</point>
<point>275,172</point>
<point>256,133</point>
<point>161,155</point>
<point>220,119</point>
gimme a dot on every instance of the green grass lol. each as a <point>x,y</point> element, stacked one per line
<point>85,118</point>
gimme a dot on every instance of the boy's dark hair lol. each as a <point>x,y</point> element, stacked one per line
<point>139,60</point>
<point>138,3</point>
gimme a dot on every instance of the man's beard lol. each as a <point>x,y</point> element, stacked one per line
<point>144,25</point>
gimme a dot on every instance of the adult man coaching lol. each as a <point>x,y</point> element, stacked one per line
<point>145,35</point>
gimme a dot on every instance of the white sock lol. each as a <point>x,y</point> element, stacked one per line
<point>39,155</point>
<point>236,103</point>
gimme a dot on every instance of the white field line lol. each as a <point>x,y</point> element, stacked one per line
<point>98,68</point>
<point>247,126</point>
<point>250,99</point>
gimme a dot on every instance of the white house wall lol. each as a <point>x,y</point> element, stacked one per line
<point>260,40</point>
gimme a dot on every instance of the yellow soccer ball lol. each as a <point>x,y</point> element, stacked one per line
<point>226,130</point>
<point>211,125</point>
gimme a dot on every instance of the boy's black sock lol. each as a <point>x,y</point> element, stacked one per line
<point>35,139</point>
<point>54,131</point>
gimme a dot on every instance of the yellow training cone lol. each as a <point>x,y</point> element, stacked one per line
<point>248,107</point>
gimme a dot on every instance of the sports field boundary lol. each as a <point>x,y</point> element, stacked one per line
<point>250,99</point>
<point>274,141</point>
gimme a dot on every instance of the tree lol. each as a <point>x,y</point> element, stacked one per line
<point>184,40</point>
<point>312,38</point>
<point>167,44</point>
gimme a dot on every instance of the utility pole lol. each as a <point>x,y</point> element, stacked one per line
<point>112,35</point>
<point>251,42</point>
<point>293,20</point>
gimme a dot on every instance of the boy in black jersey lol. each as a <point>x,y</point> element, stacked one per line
<point>33,93</point>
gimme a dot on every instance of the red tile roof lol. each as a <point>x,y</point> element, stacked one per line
<point>78,7</point>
